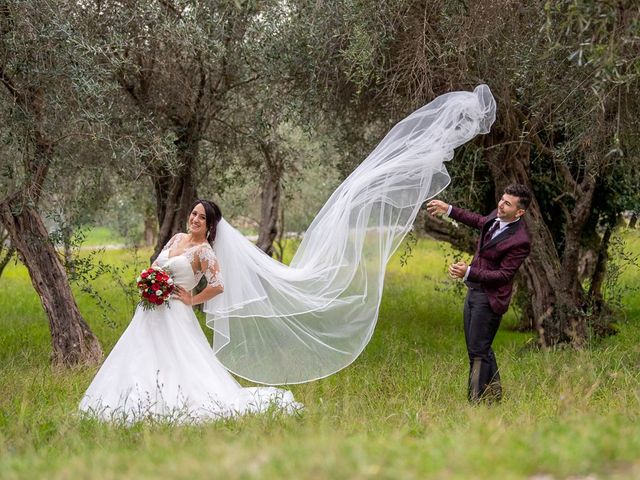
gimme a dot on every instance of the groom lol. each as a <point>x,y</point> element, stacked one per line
<point>502,247</point>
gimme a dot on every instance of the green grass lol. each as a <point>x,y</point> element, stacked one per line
<point>399,411</point>
<point>99,236</point>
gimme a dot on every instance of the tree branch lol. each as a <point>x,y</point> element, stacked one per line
<point>169,7</point>
<point>566,175</point>
<point>11,87</point>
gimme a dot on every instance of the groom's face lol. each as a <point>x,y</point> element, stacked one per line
<point>508,209</point>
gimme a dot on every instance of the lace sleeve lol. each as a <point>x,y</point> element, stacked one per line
<point>209,267</point>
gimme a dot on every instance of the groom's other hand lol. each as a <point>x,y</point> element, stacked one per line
<point>437,207</point>
<point>458,270</point>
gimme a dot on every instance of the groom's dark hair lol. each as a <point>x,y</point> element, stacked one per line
<point>520,191</point>
<point>213,214</point>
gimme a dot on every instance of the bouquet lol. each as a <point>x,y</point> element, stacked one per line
<point>155,286</point>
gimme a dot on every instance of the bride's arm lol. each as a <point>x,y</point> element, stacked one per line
<point>207,294</point>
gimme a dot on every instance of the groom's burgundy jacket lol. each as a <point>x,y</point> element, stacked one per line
<point>495,263</point>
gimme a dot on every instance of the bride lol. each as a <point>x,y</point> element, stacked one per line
<point>162,366</point>
<point>276,324</point>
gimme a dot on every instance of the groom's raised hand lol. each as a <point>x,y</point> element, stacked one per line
<point>437,207</point>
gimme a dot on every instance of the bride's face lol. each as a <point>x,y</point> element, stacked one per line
<point>198,221</point>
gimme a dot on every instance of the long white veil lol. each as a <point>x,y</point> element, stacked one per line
<point>277,324</point>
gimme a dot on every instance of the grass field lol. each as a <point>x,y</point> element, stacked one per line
<point>96,236</point>
<point>399,411</point>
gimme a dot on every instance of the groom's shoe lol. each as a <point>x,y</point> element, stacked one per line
<point>481,391</point>
<point>493,393</point>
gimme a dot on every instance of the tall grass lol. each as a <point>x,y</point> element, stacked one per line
<point>399,411</point>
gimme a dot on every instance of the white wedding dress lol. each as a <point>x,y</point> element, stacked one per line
<point>163,367</point>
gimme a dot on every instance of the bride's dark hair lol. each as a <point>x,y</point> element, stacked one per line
<point>213,214</point>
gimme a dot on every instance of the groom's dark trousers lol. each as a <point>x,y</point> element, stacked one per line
<point>480,327</point>
<point>490,284</point>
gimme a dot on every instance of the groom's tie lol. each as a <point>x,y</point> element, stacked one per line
<point>489,235</point>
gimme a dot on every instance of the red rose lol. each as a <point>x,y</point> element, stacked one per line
<point>153,298</point>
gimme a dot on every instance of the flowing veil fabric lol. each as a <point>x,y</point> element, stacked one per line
<point>277,324</point>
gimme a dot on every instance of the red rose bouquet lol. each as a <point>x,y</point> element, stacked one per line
<point>155,286</point>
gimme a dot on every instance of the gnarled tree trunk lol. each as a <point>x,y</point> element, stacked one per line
<point>599,272</point>
<point>72,340</point>
<point>553,280</point>
<point>510,164</point>
<point>270,197</point>
<point>175,192</point>
<point>569,309</point>
<point>7,250</point>
<point>150,229</point>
